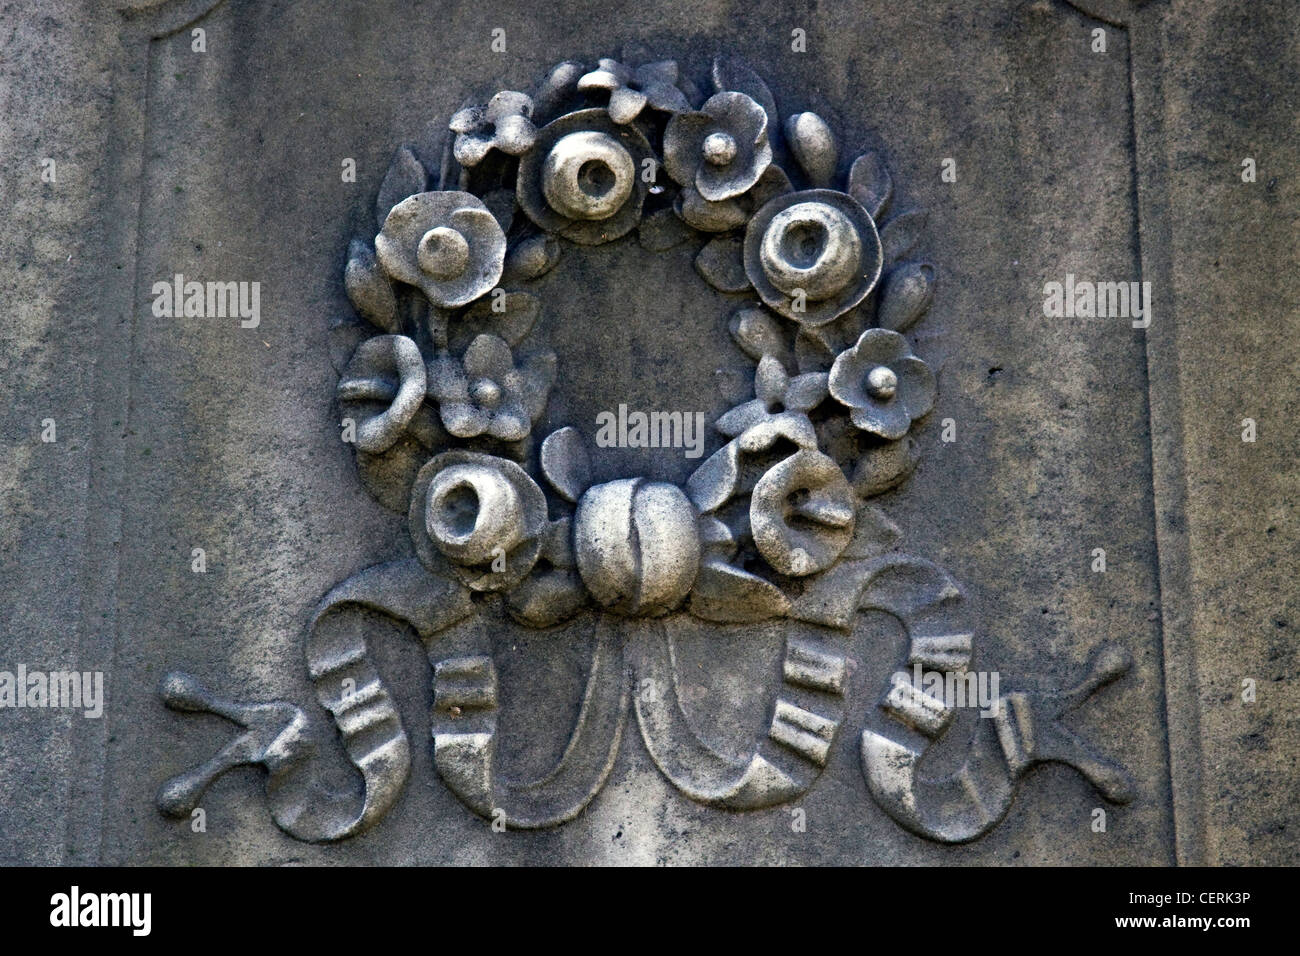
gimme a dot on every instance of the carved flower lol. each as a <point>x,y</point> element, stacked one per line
<point>721,149</point>
<point>812,255</point>
<point>632,90</point>
<point>381,392</point>
<point>883,384</point>
<point>504,124</point>
<point>446,243</point>
<point>802,513</point>
<point>385,381</point>
<point>779,409</point>
<point>480,513</point>
<point>484,393</point>
<point>583,179</point>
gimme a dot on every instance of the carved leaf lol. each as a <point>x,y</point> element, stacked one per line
<point>873,534</point>
<point>758,333</point>
<point>730,595</point>
<point>907,293</point>
<point>531,258</point>
<point>806,392</point>
<point>885,467</point>
<point>662,230</point>
<point>813,145</point>
<point>345,335</point>
<point>732,73</point>
<point>721,265</point>
<point>565,463</point>
<point>520,311</point>
<point>405,177</point>
<point>901,233</point>
<point>501,203</point>
<point>369,288</point>
<point>716,539</point>
<point>714,482</point>
<point>389,477</point>
<point>709,216</point>
<point>774,182</point>
<point>740,419</point>
<point>558,92</point>
<point>831,598</point>
<point>812,353</point>
<point>871,184</point>
<point>547,598</point>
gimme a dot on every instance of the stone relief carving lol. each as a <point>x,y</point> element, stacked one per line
<point>445,394</point>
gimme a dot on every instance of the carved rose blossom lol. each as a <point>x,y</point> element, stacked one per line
<point>884,386</point>
<point>504,124</point>
<point>486,394</point>
<point>446,243</point>
<point>472,508</point>
<point>582,179</point>
<point>720,150</point>
<point>812,255</point>
<point>632,90</point>
<point>802,513</point>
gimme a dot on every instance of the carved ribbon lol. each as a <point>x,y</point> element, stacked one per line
<point>784,765</point>
<point>464,739</point>
<point>277,735</point>
<point>1026,729</point>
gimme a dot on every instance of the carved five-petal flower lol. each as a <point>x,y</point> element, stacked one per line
<point>504,124</point>
<point>779,409</point>
<point>484,393</point>
<point>721,149</point>
<point>884,386</point>
<point>446,243</point>
<point>632,90</point>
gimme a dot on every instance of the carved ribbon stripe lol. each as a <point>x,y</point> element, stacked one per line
<point>465,737</point>
<point>805,719</point>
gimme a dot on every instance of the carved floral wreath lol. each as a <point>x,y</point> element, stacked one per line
<point>443,397</point>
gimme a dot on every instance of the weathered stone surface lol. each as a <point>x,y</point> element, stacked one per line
<point>1071,434</point>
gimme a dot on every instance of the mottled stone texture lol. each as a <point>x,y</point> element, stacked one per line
<point>1072,434</point>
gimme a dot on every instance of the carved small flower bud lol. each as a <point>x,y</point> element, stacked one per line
<point>637,545</point>
<point>813,145</point>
